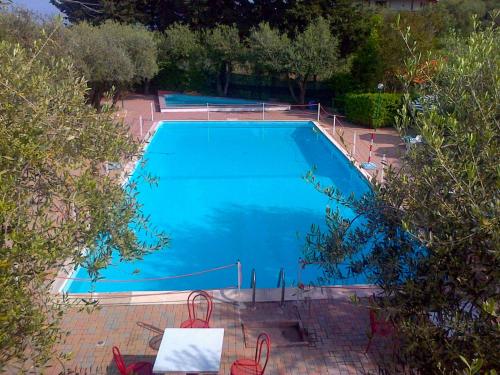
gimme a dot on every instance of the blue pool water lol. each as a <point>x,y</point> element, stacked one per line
<point>228,191</point>
<point>179,100</point>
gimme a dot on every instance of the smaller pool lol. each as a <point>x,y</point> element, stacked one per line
<point>179,100</point>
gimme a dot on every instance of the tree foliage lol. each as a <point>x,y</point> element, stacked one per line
<point>210,53</point>
<point>180,54</point>
<point>311,53</point>
<point>223,50</point>
<point>159,14</point>
<point>375,47</point>
<point>268,49</point>
<point>21,26</point>
<point>57,206</point>
<point>112,55</point>
<point>433,227</point>
<point>349,21</point>
<point>458,12</point>
<point>368,66</point>
<point>429,28</point>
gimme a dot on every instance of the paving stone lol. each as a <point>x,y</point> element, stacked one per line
<point>341,353</point>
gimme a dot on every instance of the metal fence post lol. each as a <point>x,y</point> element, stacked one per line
<point>319,109</point>
<point>334,123</point>
<point>281,282</point>
<point>384,163</point>
<point>152,112</point>
<point>238,263</point>
<point>354,146</point>
<point>299,273</point>
<point>208,113</point>
<point>253,285</point>
<point>140,126</point>
<point>263,111</point>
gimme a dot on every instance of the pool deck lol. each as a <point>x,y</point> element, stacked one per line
<point>336,334</point>
<point>337,328</point>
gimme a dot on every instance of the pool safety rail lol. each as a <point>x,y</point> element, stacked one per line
<point>254,107</point>
<point>281,282</point>
<point>236,265</point>
<point>230,294</point>
<point>253,286</point>
<point>262,111</point>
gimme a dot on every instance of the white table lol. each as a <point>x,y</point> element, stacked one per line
<point>190,350</point>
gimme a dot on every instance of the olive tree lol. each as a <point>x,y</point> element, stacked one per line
<point>180,56</point>
<point>432,229</point>
<point>19,25</point>
<point>112,55</point>
<point>57,205</point>
<point>312,53</point>
<point>31,30</point>
<point>223,51</point>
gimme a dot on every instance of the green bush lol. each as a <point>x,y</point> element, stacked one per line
<point>341,84</point>
<point>375,110</point>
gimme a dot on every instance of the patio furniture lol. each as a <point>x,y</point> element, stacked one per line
<point>247,366</point>
<point>137,368</point>
<point>411,141</point>
<point>196,350</point>
<point>194,322</point>
<point>382,327</point>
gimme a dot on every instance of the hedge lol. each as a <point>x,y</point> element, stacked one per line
<point>362,109</point>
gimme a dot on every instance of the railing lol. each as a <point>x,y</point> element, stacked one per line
<point>65,279</point>
<point>255,111</point>
<point>350,139</point>
<point>253,286</point>
<point>281,282</point>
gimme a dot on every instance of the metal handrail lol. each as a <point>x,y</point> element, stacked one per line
<point>253,284</point>
<point>281,282</point>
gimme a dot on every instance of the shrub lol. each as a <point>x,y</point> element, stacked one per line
<point>375,110</point>
<point>341,84</point>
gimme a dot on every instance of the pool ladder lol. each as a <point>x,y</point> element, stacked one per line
<point>281,283</point>
<point>253,285</point>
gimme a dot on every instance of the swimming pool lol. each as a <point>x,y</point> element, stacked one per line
<point>176,102</point>
<point>228,191</point>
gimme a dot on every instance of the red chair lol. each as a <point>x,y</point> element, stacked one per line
<point>138,368</point>
<point>246,366</point>
<point>381,327</point>
<point>193,321</point>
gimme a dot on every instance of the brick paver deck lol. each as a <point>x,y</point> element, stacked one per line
<point>337,335</point>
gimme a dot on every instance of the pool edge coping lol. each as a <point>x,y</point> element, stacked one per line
<point>228,295</point>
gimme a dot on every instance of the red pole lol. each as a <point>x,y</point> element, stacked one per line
<point>371,146</point>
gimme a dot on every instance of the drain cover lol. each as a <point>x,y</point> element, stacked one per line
<point>283,333</point>
<point>100,343</point>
